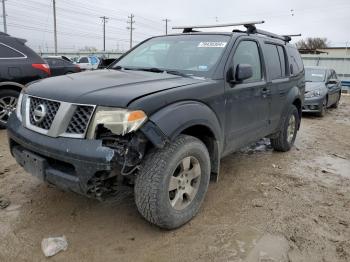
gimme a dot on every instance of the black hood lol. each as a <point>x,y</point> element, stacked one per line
<point>106,87</point>
<point>311,86</point>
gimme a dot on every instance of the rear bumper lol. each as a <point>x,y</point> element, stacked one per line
<point>313,104</point>
<point>69,163</point>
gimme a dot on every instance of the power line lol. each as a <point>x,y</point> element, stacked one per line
<point>104,21</point>
<point>131,27</point>
<point>4,15</point>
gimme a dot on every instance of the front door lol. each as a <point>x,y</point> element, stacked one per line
<point>247,103</point>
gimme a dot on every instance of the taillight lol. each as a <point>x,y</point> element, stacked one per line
<point>43,67</point>
<point>78,67</point>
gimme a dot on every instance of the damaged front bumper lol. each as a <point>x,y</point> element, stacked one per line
<point>71,164</point>
<point>313,104</point>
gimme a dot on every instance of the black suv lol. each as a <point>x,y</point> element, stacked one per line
<point>161,118</point>
<point>19,65</point>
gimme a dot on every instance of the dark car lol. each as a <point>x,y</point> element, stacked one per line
<point>19,65</point>
<point>105,62</point>
<point>323,90</point>
<point>161,118</point>
<point>59,66</point>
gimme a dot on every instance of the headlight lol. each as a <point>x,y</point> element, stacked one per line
<point>119,121</point>
<point>313,93</point>
<point>19,106</point>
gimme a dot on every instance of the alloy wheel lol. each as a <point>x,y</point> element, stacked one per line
<point>7,106</point>
<point>184,183</point>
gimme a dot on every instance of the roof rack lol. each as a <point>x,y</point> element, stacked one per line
<point>251,29</point>
<point>189,29</point>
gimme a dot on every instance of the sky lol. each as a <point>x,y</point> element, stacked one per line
<point>79,24</point>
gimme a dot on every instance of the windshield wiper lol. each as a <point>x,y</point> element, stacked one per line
<point>152,69</point>
<point>174,72</point>
<point>158,70</point>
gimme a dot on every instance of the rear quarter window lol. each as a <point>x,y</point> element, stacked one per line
<point>7,52</point>
<point>295,61</point>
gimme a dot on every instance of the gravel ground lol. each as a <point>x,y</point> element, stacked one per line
<point>267,206</point>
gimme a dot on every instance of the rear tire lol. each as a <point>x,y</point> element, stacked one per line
<point>285,138</point>
<point>8,103</point>
<point>162,195</point>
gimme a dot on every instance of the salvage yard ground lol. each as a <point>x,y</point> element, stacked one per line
<point>289,206</point>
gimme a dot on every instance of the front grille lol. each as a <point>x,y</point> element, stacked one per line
<point>51,111</point>
<point>80,120</point>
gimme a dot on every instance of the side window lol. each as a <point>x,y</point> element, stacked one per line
<point>335,75</point>
<point>84,60</point>
<point>281,54</point>
<point>59,62</point>
<point>247,52</point>
<point>273,61</point>
<point>8,52</point>
<point>296,63</point>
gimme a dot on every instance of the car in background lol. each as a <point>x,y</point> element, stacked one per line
<point>59,56</point>
<point>88,62</point>
<point>105,62</point>
<point>60,66</point>
<point>19,65</point>
<point>322,90</point>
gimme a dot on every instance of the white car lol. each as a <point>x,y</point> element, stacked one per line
<point>88,62</point>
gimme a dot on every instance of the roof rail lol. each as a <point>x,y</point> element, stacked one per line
<point>251,29</point>
<point>189,29</point>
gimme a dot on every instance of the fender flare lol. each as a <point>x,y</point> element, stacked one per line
<point>172,120</point>
<point>177,117</point>
<point>292,96</point>
<point>8,83</point>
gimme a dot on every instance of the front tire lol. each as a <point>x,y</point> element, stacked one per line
<point>8,103</point>
<point>336,104</point>
<point>172,182</point>
<point>323,109</point>
<point>285,138</point>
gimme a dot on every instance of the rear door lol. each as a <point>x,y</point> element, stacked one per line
<point>277,80</point>
<point>247,103</point>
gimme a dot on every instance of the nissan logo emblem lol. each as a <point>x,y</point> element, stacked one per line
<point>39,113</point>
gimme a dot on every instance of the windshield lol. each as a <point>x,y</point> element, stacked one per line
<point>192,55</point>
<point>314,75</point>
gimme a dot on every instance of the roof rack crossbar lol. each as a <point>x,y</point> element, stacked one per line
<point>252,30</point>
<point>294,35</point>
<point>189,29</point>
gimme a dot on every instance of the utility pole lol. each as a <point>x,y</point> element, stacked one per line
<point>54,24</point>
<point>104,21</point>
<point>4,16</point>
<point>166,20</point>
<point>131,27</point>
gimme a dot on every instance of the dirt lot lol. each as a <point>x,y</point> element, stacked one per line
<point>267,206</point>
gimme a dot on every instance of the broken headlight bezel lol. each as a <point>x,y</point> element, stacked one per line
<point>119,121</point>
<point>19,106</point>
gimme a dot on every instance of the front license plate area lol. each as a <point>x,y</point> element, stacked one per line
<point>31,163</point>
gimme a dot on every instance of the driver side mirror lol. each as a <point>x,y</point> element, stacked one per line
<point>242,72</point>
<point>332,82</point>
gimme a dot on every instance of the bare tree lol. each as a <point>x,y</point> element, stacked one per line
<point>312,43</point>
<point>88,49</point>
